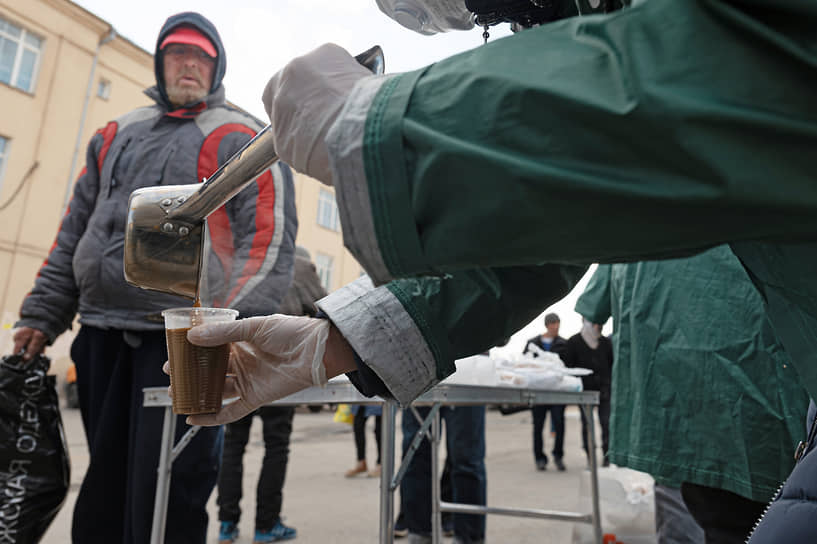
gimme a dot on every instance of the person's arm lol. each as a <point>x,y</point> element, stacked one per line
<point>253,239</point>
<point>405,335</point>
<point>607,375</point>
<point>50,307</point>
<point>409,332</point>
<point>595,305</point>
<point>655,131</point>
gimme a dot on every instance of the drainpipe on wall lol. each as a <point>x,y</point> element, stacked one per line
<point>77,146</point>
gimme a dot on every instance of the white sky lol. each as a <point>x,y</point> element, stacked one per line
<point>261,36</point>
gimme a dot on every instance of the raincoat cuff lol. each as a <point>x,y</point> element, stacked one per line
<point>345,142</point>
<point>384,336</point>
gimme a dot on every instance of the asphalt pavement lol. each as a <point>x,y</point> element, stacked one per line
<point>325,507</point>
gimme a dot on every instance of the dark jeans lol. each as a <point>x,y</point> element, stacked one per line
<point>446,495</point>
<point>725,517</point>
<point>604,419</point>
<point>115,501</point>
<point>277,427</point>
<point>557,417</point>
<point>465,444</point>
<point>359,427</point>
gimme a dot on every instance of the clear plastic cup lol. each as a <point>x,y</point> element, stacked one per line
<point>197,373</point>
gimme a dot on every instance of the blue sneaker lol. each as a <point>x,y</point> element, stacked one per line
<point>228,532</point>
<point>278,532</point>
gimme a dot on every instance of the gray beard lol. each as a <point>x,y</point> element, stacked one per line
<point>182,97</point>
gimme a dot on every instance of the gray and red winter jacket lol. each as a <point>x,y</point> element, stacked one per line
<point>252,236</point>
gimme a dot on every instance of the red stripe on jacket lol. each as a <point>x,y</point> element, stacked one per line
<point>107,139</point>
<point>218,222</point>
<point>108,134</point>
<point>264,229</point>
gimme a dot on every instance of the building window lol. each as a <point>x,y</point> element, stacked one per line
<point>323,264</point>
<point>328,210</point>
<point>19,56</point>
<point>103,90</point>
<point>4,146</point>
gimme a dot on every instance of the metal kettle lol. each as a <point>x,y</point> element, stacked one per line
<point>165,232</point>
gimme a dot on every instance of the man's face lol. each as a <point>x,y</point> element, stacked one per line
<point>553,328</point>
<point>188,72</point>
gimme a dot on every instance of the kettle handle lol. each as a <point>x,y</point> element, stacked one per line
<point>373,59</point>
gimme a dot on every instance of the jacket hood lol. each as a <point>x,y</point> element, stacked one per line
<point>203,25</point>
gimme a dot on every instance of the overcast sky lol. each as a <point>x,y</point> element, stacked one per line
<point>261,36</point>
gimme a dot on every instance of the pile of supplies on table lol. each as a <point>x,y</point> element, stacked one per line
<point>537,369</point>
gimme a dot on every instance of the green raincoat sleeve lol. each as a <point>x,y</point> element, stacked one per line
<point>594,304</point>
<point>410,331</point>
<point>657,131</point>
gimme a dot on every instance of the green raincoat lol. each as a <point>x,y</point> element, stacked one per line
<point>656,131</point>
<point>702,390</point>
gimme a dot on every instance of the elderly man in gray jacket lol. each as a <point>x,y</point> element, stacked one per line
<point>184,136</point>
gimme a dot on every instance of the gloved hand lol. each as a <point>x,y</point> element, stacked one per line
<point>303,100</point>
<point>271,358</point>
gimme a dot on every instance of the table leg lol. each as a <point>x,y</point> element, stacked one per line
<point>422,433</point>
<point>587,413</point>
<point>157,531</point>
<point>387,472</point>
<point>436,516</point>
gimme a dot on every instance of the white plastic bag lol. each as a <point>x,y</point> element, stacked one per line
<point>627,502</point>
<point>475,370</point>
<point>546,371</point>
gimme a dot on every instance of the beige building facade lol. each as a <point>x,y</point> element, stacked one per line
<point>64,73</point>
<point>319,232</point>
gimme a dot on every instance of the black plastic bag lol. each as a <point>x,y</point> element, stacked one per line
<point>34,464</point>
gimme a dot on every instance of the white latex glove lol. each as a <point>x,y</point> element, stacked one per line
<point>303,100</point>
<point>271,358</point>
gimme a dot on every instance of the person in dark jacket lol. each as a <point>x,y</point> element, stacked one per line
<point>120,348</point>
<point>791,513</point>
<point>306,289</point>
<point>589,349</point>
<point>552,342</point>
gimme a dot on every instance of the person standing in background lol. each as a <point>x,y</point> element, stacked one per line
<point>465,450</point>
<point>589,349</point>
<point>552,342</point>
<point>362,413</point>
<point>277,427</point>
